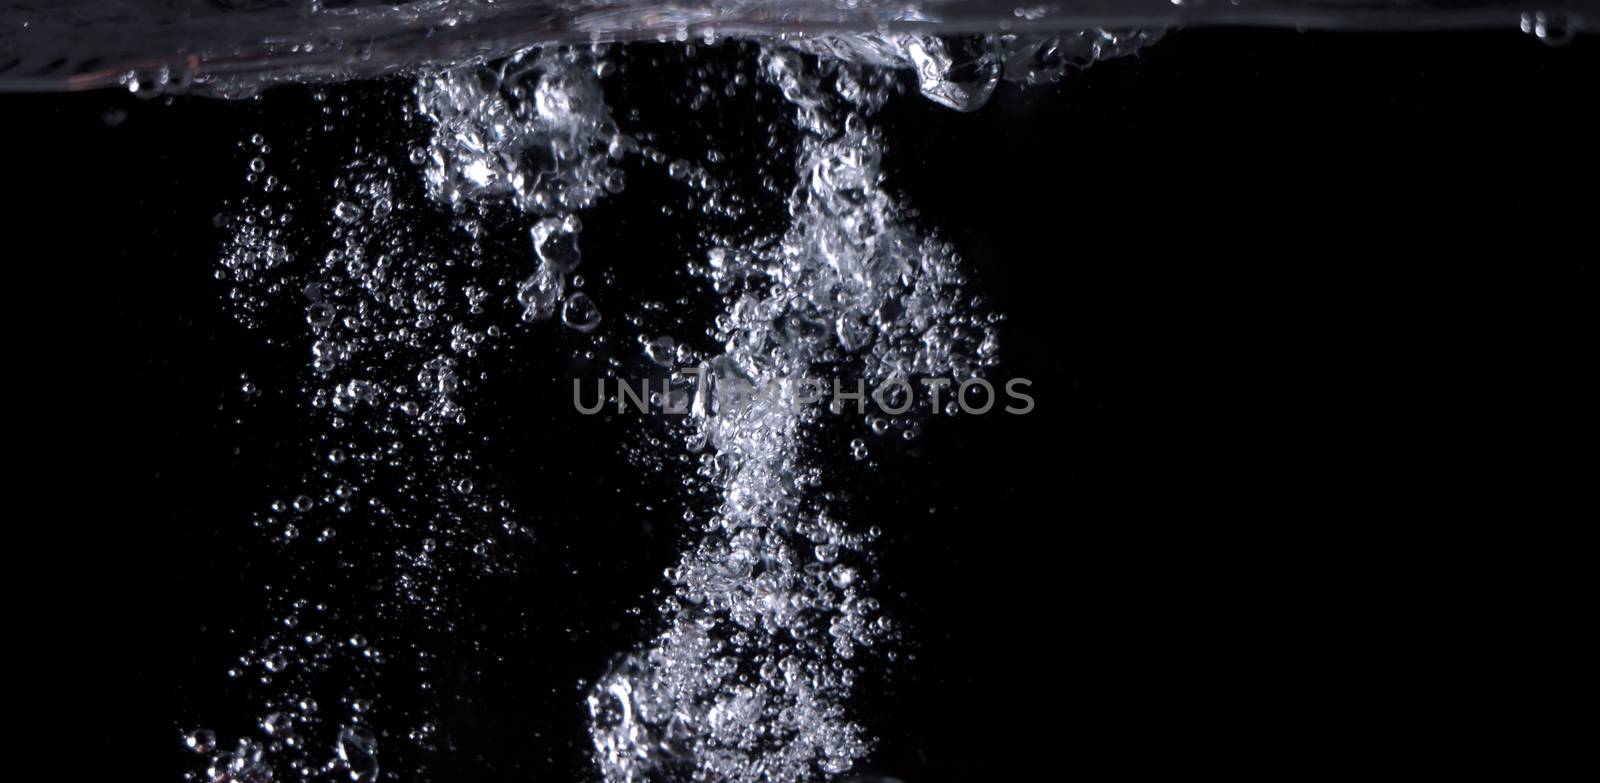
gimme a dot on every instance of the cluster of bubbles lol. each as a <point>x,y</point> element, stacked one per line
<point>767,619</point>
<point>527,129</point>
<point>387,279</point>
<point>961,72</point>
<point>1551,28</point>
<point>387,514</point>
<point>533,131</point>
<point>769,608</point>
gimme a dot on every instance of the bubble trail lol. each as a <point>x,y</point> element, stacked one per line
<point>387,528</point>
<point>769,609</point>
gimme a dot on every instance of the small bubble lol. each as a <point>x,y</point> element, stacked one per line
<point>277,724</point>
<point>1552,28</point>
<point>200,740</point>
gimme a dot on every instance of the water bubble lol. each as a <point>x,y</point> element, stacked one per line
<point>854,332</point>
<point>555,240</point>
<point>320,314</point>
<point>200,740</point>
<point>540,293</point>
<point>357,750</point>
<point>858,449</point>
<point>661,350</point>
<point>277,724</point>
<point>960,73</point>
<point>580,313</point>
<point>147,83</point>
<point>1552,28</point>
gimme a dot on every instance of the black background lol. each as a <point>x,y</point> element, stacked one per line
<point>1310,320</point>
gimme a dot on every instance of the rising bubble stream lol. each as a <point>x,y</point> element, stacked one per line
<point>379,271</point>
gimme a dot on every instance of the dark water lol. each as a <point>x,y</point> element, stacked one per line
<point>1292,305</point>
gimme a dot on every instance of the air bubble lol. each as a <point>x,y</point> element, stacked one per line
<point>661,351</point>
<point>200,740</point>
<point>580,313</point>
<point>555,241</point>
<point>357,750</point>
<point>277,724</point>
<point>1551,28</point>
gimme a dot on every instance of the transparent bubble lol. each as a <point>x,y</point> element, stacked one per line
<point>555,240</point>
<point>580,313</point>
<point>357,751</point>
<point>277,724</point>
<point>661,350</point>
